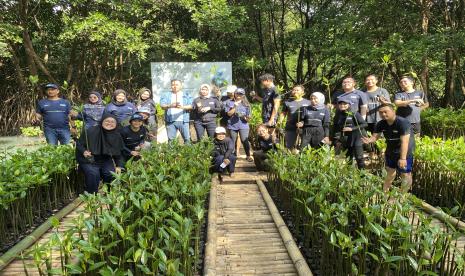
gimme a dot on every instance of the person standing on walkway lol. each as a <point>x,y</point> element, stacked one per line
<point>120,107</point>
<point>205,109</point>
<point>230,89</point>
<point>291,112</point>
<point>177,105</point>
<point>400,145</point>
<point>223,153</point>
<point>348,130</point>
<point>98,152</point>
<point>270,100</point>
<point>55,114</point>
<point>410,102</point>
<point>92,111</point>
<point>238,111</point>
<point>315,120</point>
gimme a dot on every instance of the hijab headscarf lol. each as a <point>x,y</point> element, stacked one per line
<point>116,93</point>
<point>102,141</point>
<point>208,88</point>
<point>99,96</point>
<point>321,100</point>
<point>141,91</point>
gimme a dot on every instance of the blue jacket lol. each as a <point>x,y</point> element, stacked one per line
<point>165,99</point>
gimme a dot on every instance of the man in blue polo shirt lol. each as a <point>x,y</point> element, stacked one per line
<point>400,143</point>
<point>54,111</point>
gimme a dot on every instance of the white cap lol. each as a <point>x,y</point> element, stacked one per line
<point>220,130</point>
<point>231,88</point>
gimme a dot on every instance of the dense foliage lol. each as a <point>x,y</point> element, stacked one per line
<point>445,123</point>
<point>148,221</point>
<point>351,227</point>
<point>109,44</point>
<point>32,184</point>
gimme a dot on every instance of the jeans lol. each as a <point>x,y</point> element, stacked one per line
<point>216,164</point>
<point>244,133</point>
<point>183,127</point>
<point>55,135</point>
<point>96,171</point>
<point>200,128</point>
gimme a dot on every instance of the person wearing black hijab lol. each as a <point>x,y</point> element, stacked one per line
<point>98,152</point>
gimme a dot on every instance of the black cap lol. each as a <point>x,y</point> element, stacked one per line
<point>52,85</point>
<point>344,101</point>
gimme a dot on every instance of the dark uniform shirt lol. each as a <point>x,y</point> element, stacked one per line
<point>374,103</point>
<point>269,95</point>
<point>392,133</point>
<point>54,112</point>
<point>291,108</point>
<point>210,115</point>
<point>410,112</point>
<point>313,117</point>
<point>132,139</point>
<point>354,121</point>
<point>266,145</point>
<point>356,97</point>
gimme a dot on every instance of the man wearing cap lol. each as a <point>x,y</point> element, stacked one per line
<point>410,102</point>
<point>400,144</point>
<point>150,125</point>
<point>223,153</point>
<point>177,105</point>
<point>270,99</point>
<point>55,113</point>
<point>134,136</point>
<point>356,97</point>
<point>348,130</point>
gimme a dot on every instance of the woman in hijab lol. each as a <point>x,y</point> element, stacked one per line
<point>120,107</point>
<point>92,111</point>
<point>205,110</point>
<point>315,120</point>
<point>98,152</point>
<point>145,102</point>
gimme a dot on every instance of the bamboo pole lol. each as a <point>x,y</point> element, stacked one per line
<point>25,243</point>
<point>210,247</point>
<point>440,215</point>
<point>294,252</point>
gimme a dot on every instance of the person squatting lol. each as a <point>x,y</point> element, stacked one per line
<point>117,132</point>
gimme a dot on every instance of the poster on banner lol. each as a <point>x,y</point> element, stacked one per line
<point>192,74</point>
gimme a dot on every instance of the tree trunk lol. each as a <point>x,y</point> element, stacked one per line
<point>425,16</point>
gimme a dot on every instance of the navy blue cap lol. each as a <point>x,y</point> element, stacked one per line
<point>52,85</point>
<point>136,116</point>
<point>240,91</point>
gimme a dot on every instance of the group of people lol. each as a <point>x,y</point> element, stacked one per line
<point>117,132</point>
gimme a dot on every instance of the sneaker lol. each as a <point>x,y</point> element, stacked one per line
<point>249,158</point>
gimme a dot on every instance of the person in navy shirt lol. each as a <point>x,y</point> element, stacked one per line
<point>134,136</point>
<point>410,103</point>
<point>55,113</point>
<point>120,107</point>
<point>266,142</point>
<point>315,120</point>
<point>270,100</point>
<point>400,145</point>
<point>238,111</point>
<point>92,111</point>
<point>205,109</point>
<point>223,158</point>
<point>356,97</point>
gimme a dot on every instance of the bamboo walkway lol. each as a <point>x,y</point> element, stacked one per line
<point>246,234</point>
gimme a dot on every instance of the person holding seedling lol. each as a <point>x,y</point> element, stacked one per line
<point>238,111</point>
<point>410,103</point>
<point>146,101</point>
<point>177,105</point>
<point>205,109</point>
<point>120,107</point>
<point>134,136</point>
<point>349,93</point>
<point>99,152</point>
<point>92,111</point>
<point>266,142</point>
<point>400,145</point>
<point>315,120</point>
<point>291,112</point>
<point>223,153</point>
<point>348,130</point>
<point>270,100</point>
<point>55,113</point>
<point>151,126</point>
